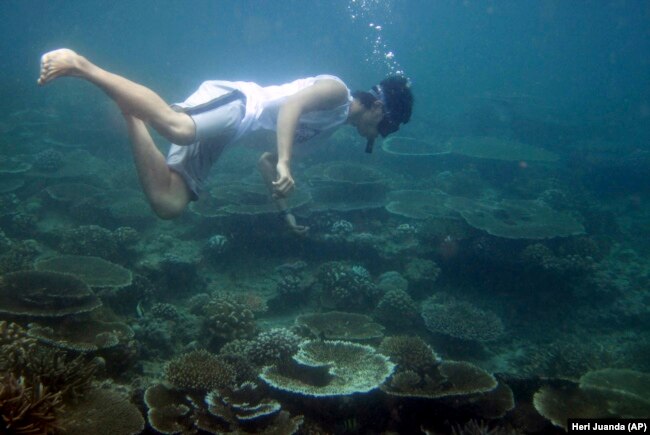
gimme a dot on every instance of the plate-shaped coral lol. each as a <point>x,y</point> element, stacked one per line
<point>82,335</point>
<point>94,271</point>
<point>515,219</point>
<point>494,148</point>
<point>330,368</point>
<point>447,379</point>
<point>409,146</point>
<point>45,294</point>
<point>419,204</point>
<point>337,325</point>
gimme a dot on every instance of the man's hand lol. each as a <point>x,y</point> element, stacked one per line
<point>300,230</point>
<point>284,185</point>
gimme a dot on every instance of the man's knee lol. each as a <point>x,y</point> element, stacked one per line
<point>178,128</point>
<point>167,207</point>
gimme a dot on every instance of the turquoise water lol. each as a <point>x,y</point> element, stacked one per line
<point>486,268</point>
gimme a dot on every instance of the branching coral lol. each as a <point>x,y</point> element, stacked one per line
<point>409,353</point>
<point>540,257</point>
<point>19,256</point>
<point>397,310</point>
<point>461,320</point>
<point>15,346</point>
<point>89,240</point>
<point>57,370</point>
<point>229,318</point>
<point>346,287</point>
<point>199,370</point>
<point>27,409</point>
<point>272,346</point>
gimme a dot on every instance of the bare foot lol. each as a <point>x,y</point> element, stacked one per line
<point>58,63</point>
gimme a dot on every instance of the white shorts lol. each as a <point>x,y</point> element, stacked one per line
<point>217,122</point>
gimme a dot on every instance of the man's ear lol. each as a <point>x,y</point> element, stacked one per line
<point>378,105</point>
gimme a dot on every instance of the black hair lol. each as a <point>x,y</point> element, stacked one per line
<point>399,98</point>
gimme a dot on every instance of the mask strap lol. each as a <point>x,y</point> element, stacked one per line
<point>378,93</point>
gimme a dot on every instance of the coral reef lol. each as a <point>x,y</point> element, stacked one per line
<point>293,285</point>
<point>272,347</point>
<point>60,371</point>
<point>179,272</point>
<point>419,204</point>
<point>103,411</point>
<point>496,148</point>
<point>215,247</point>
<point>227,318</point>
<point>124,300</point>
<point>571,266</point>
<point>392,280</point>
<point>341,228</point>
<point>28,409</point>
<point>446,379</point>
<point>245,407</point>
<point>330,368</point>
<point>346,186</point>
<point>15,346</point>
<point>565,357</point>
<point>45,294</point>
<point>608,393</point>
<point>345,286</point>
<point>163,330</point>
<point>481,427</point>
<point>94,271</point>
<point>242,200</point>
<point>90,240</point>
<point>397,310</point>
<point>83,334</point>
<point>70,193</point>
<point>291,288</point>
<point>421,275</point>
<point>409,353</point>
<point>199,370</point>
<point>461,320</point>
<point>239,410</point>
<point>48,161</point>
<point>338,325</point>
<point>21,355</point>
<point>20,224</point>
<point>515,219</point>
<point>164,311</point>
<point>19,255</point>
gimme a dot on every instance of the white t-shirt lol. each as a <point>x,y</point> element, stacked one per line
<point>263,105</point>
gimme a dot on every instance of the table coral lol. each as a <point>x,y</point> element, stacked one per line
<point>330,368</point>
<point>461,320</point>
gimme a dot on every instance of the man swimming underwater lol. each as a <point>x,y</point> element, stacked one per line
<point>220,112</point>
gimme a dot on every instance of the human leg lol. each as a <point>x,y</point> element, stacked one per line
<point>165,189</point>
<point>132,98</point>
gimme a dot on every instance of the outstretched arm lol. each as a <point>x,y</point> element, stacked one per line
<point>266,165</point>
<point>322,95</point>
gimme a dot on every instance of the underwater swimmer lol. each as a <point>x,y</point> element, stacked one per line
<point>220,112</point>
